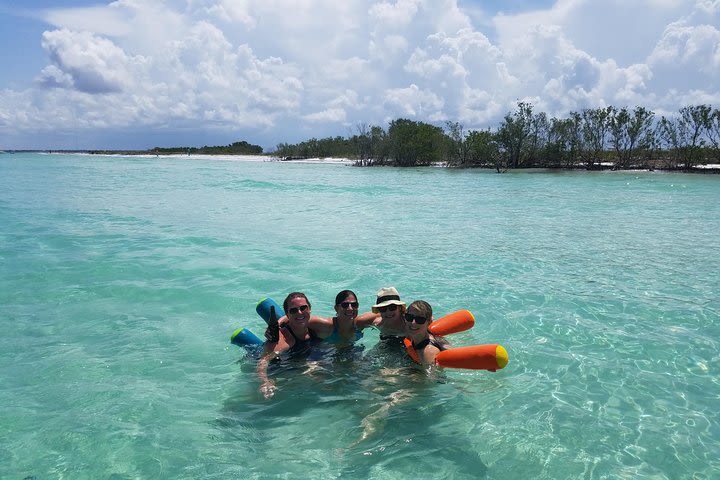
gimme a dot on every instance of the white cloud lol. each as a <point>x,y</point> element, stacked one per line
<point>692,47</point>
<point>708,7</point>
<point>86,62</point>
<point>107,20</point>
<point>329,115</point>
<point>394,15</point>
<point>260,66</point>
<point>53,76</point>
<point>233,11</point>
<point>393,45</point>
<point>414,102</point>
<point>615,29</point>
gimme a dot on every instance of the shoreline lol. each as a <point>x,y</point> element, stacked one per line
<point>224,157</point>
<point>199,156</point>
<point>710,168</point>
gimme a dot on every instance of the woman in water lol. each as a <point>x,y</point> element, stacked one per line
<point>422,346</point>
<point>293,338</point>
<point>341,328</point>
<point>387,316</point>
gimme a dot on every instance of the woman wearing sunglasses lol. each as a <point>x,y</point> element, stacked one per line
<point>422,346</point>
<point>340,329</point>
<point>387,316</point>
<point>293,338</point>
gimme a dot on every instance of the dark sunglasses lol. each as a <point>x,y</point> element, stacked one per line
<point>295,310</point>
<point>349,304</point>
<point>392,307</point>
<point>409,317</point>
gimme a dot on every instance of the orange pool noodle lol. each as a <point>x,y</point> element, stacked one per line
<point>452,323</point>
<point>477,357</point>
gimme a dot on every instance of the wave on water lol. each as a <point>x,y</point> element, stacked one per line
<point>121,280</point>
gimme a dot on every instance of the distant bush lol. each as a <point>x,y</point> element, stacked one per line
<point>592,139</point>
<point>237,148</point>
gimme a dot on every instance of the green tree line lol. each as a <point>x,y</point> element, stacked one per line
<point>236,148</point>
<point>594,138</point>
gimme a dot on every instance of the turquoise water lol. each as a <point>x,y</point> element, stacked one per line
<point>121,280</point>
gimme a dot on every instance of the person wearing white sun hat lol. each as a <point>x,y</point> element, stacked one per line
<point>389,316</point>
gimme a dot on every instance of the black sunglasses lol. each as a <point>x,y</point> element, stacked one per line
<point>392,307</point>
<point>295,310</point>
<point>409,317</point>
<point>349,304</point>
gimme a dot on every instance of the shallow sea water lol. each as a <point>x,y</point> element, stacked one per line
<point>121,280</point>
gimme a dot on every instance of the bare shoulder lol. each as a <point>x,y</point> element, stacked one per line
<point>322,326</point>
<point>429,353</point>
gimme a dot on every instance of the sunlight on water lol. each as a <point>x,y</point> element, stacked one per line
<point>121,280</point>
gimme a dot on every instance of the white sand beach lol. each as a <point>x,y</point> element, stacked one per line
<point>234,158</point>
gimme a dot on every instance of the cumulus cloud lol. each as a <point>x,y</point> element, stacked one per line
<point>233,11</point>
<point>396,14</point>
<point>329,115</point>
<point>114,19</point>
<point>693,47</point>
<point>87,62</point>
<point>260,68</point>
<point>414,102</point>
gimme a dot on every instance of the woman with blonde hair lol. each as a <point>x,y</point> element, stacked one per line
<point>422,346</point>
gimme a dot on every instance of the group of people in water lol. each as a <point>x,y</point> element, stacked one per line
<point>398,324</point>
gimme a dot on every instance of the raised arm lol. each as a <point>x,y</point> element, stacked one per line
<point>367,319</point>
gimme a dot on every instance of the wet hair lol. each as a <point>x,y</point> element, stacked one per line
<point>295,295</point>
<point>343,295</point>
<point>422,307</point>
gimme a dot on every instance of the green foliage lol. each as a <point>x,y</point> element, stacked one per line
<point>594,138</point>
<point>564,141</point>
<point>630,134</point>
<point>413,143</point>
<point>317,148</point>
<point>237,148</point>
<point>512,136</point>
<point>482,149</point>
<point>714,135</point>
<point>595,126</point>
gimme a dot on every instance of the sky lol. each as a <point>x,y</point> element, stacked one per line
<point>136,74</point>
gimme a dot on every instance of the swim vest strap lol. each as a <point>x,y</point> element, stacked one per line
<point>411,350</point>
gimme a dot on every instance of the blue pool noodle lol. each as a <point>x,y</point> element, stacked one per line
<point>263,309</point>
<point>245,338</point>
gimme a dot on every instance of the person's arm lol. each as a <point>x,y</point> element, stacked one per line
<point>321,327</point>
<point>272,332</point>
<point>267,386</point>
<point>428,354</point>
<point>367,320</point>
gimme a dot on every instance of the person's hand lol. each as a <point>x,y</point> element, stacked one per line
<point>268,389</point>
<point>272,332</point>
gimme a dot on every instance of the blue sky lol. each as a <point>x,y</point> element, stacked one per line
<point>134,74</point>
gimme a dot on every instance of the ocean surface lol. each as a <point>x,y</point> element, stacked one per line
<point>122,279</point>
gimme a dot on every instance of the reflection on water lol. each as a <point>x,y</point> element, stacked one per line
<point>377,420</point>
